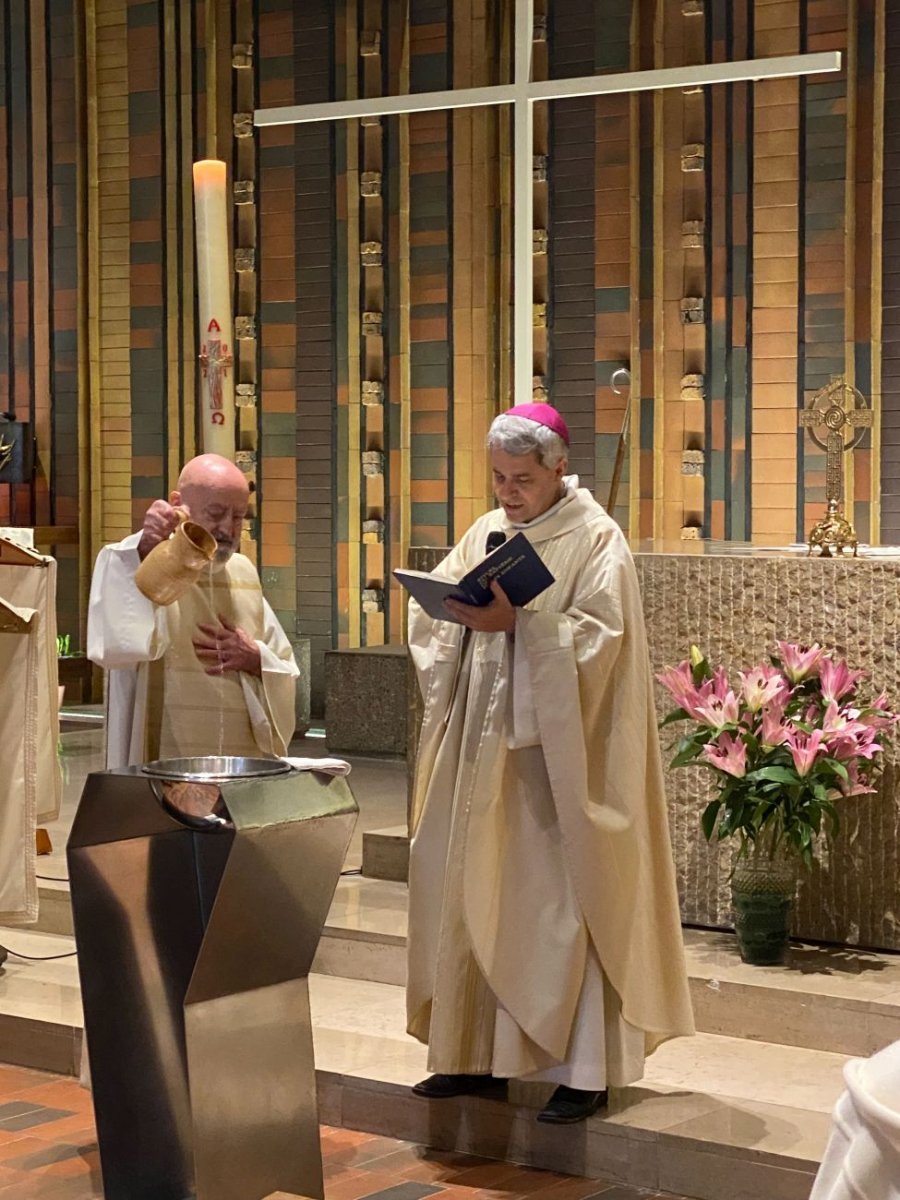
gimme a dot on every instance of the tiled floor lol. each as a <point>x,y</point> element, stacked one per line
<point>48,1151</point>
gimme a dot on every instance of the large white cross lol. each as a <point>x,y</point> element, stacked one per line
<point>522,94</point>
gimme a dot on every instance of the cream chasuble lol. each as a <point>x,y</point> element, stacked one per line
<point>30,784</point>
<point>544,934</point>
<point>160,701</point>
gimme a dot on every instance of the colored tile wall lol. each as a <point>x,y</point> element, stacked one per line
<point>795,208</point>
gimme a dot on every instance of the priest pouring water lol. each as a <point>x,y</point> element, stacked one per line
<point>197,661</point>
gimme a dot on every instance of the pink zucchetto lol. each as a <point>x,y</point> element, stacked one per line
<point>541,414</point>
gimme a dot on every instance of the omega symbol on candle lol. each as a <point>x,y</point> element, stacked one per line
<point>215,359</point>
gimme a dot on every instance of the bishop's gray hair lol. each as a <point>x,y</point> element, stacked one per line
<point>518,436</point>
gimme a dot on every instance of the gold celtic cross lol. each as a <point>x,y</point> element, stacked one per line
<point>837,408</point>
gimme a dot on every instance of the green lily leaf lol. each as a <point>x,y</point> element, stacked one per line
<point>774,774</point>
<point>837,767</point>
<point>708,820</point>
<point>685,757</point>
<point>677,714</point>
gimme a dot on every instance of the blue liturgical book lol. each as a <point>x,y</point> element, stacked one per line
<point>516,566</point>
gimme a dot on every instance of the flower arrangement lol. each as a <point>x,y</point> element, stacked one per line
<point>785,746</point>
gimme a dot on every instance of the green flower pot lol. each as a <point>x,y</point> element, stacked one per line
<point>762,892</point>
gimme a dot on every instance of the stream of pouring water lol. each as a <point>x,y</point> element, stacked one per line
<point>214,620</point>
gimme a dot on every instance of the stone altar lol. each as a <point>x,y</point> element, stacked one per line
<point>735,601</point>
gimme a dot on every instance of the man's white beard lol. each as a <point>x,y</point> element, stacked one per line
<point>223,552</point>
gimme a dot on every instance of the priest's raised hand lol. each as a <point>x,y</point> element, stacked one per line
<point>225,647</point>
<point>160,522</point>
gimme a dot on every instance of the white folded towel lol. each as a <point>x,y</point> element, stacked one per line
<point>328,766</point>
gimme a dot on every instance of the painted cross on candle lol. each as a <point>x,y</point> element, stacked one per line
<point>215,359</point>
<point>214,280</point>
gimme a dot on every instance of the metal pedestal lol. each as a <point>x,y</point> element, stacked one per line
<point>194,948</point>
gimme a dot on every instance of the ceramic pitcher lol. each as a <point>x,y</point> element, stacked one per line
<point>173,565</point>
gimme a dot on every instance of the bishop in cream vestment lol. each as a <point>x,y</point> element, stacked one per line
<point>544,934</point>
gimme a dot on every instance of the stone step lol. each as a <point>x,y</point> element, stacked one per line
<point>713,1117</point>
<point>835,999</point>
<point>827,998</point>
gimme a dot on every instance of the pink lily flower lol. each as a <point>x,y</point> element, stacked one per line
<point>804,748</point>
<point>799,664</point>
<point>773,731</point>
<point>854,785</point>
<point>847,747</point>
<point>866,745</point>
<point>868,717</point>
<point>838,722</point>
<point>719,684</point>
<point>728,754</point>
<point>679,682</point>
<point>718,711</point>
<point>811,715</point>
<point>837,680</point>
<point>761,685</point>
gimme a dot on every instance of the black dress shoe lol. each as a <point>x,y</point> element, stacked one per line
<point>568,1105</point>
<point>443,1087</point>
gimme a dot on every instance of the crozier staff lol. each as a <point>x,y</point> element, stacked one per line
<point>211,673</point>
<point>544,935</point>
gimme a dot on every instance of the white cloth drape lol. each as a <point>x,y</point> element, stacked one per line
<point>30,782</point>
<point>862,1160</point>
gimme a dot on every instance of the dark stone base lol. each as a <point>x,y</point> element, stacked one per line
<point>367,700</point>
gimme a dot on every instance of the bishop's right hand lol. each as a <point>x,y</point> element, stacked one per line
<point>160,522</point>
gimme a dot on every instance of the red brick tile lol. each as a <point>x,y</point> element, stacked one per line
<point>486,1175</point>
<point>17,1079</point>
<point>63,1094</point>
<point>18,1146</point>
<point>10,1178</point>
<point>78,1129</point>
<point>436,1166</point>
<point>521,1184</point>
<point>350,1185</point>
<point>573,1188</point>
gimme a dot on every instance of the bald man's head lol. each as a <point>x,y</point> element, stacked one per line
<point>216,495</point>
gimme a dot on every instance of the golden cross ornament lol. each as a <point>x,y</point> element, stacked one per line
<point>838,410</point>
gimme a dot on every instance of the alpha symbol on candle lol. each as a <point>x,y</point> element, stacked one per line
<point>215,359</point>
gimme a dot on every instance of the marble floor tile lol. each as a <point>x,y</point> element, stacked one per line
<point>812,970</point>
<point>759,1071</point>
<point>40,990</point>
<point>783,1136</point>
